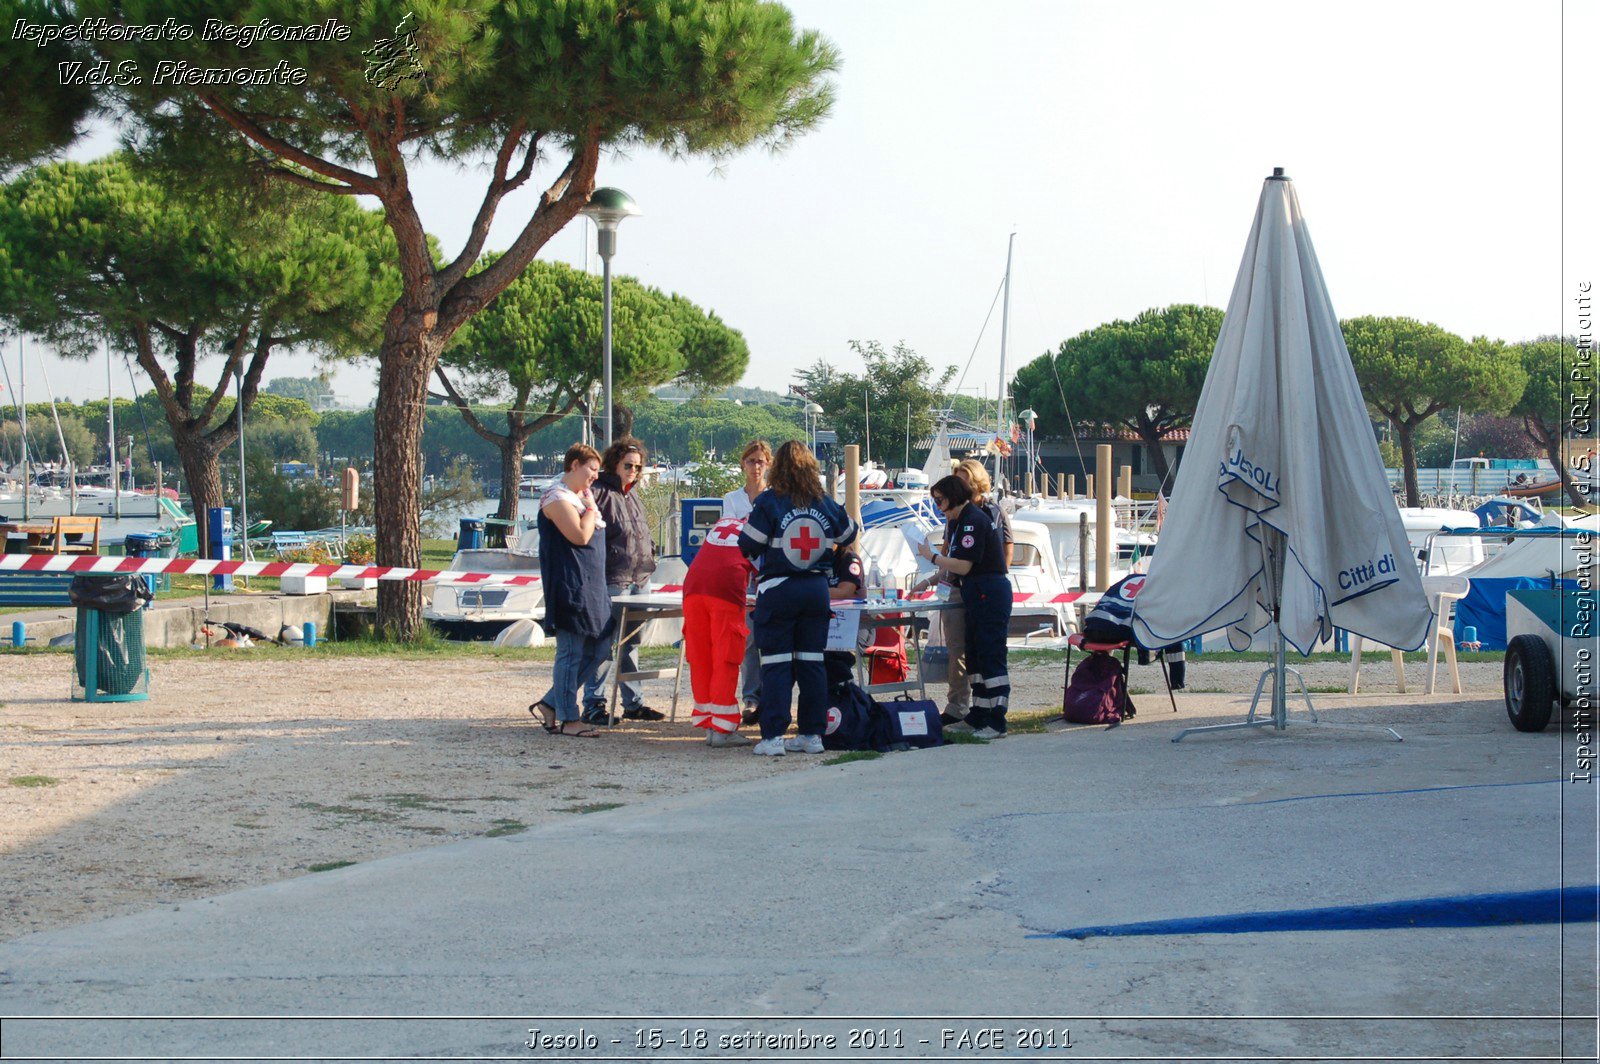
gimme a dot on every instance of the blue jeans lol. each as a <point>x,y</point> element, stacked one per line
<point>594,691</point>
<point>577,658</point>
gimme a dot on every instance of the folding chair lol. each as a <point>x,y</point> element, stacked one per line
<point>1079,640</point>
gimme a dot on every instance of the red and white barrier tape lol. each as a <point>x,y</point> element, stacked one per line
<point>105,565</point>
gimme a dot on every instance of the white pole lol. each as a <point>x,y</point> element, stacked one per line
<point>244,500</point>
<point>1005,329</point>
<point>22,419</point>
<point>111,437</point>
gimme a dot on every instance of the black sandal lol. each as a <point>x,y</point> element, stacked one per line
<point>584,731</point>
<point>546,716</point>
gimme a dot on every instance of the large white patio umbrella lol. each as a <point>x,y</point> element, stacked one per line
<point>1281,510</point>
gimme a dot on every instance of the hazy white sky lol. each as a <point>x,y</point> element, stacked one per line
<point>1125,145</point>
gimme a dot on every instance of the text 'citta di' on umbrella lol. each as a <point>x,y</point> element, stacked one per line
<point>1281,507</point>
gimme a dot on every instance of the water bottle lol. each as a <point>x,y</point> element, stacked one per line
<point>891,585</point>
<point>874,588</point>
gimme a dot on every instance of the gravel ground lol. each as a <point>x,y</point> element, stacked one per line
<point>242,770</point>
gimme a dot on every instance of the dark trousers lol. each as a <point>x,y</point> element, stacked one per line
<point>986,601</point>
<point>790,623</point>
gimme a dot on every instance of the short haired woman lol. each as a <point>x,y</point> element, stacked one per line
<point>576,607</point>
<point>630,559</point>
<point>792,534</point>
<point>976,557</point>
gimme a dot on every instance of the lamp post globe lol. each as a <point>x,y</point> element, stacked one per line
<point>607,207</point>
<point>812,412</point>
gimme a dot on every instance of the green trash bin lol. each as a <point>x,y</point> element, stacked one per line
<point>108,650</point>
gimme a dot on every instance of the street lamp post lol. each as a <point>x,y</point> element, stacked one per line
<point>606,208</point>
<point>812,412</point>
<point>1028,418</point>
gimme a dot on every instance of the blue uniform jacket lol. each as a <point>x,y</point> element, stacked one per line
<point>787,540</point>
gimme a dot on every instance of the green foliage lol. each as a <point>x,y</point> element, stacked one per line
<point>1545,404</point>
<point>309,389</point>
<point>709,479</point>
<point>1497,437</point>
<point>1145,374</point>
<point>39,115</point>
<point>44,445</point>
<point>890,383</point>
<point>1410,370</point>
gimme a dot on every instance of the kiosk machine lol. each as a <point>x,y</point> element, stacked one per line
<point>698,518</point>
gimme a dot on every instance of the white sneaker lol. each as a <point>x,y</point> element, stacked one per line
<point>958,726</point>
<point>804,744</point>
<point>989,733</point>
<point>772,747</point>
<point>729,738</point>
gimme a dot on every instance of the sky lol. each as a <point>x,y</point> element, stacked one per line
<point>1431,143</point>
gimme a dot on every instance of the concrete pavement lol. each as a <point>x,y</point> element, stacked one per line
<point>919,888</point>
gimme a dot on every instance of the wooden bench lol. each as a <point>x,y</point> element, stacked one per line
<point>40,590</point>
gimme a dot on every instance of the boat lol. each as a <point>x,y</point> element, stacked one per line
<point>478,611</point>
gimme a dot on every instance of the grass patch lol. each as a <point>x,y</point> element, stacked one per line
<point>350,812</point>
<point>1030,723</point>
<point>33,781</point>
<point>961,738</point>
<point>592,807</point>
<point>329,866</point>
<point>505,827</point>
<point>852,755</point>
<point>607,786</point>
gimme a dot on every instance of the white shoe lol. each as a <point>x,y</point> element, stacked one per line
<point>958,726</point>
<point>772,747</point>
<point>726,738</point>
<point>804,744</point>
<point>989,733</point>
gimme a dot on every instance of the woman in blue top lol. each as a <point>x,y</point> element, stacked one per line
<point>977,558</point>
<point>791,534</point>
<point>572,562</point>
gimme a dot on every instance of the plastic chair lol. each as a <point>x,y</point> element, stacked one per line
<point>1443,593</point>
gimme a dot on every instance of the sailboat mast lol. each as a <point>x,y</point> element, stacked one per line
<point>22,419</point>
<point>1005,330</point>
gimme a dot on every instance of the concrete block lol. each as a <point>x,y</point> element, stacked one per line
<point>304,585</point>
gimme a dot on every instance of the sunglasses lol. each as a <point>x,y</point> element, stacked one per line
<point>632,465</point>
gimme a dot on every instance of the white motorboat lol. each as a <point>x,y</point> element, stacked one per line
<point>477,611</point>
<point>87,501</point>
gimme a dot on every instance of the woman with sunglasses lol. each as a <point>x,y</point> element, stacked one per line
<point>977,559</point>
<point>630,559</point>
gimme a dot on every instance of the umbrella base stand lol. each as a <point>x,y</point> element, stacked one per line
<point>1279,719</point>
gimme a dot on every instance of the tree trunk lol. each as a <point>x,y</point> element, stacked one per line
<point>1158,456</point>
<point>204,480</point>
<point>511,446</point>
<point>406,362</point>
<point>1408,462</point>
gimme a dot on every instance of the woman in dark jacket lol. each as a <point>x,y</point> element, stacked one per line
<point>630,559</point>
<point>576,607</point>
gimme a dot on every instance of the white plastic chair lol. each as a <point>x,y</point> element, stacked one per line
<point>1443,593</point>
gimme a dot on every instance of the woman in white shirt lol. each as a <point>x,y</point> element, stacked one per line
<point>755,460</point>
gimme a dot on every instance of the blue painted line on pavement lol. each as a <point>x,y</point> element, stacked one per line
<point>1410,790</point>
<point>1573,905</point>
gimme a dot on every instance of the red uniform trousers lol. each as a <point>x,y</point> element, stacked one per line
<point>714,636</point>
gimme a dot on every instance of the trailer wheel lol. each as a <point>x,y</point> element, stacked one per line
<point>1530,676</point>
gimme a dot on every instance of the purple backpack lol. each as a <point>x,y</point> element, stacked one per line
<point>1097,692</point>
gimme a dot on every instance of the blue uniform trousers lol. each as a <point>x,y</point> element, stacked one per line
<point>790,623</point>
<point>986,599</point>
